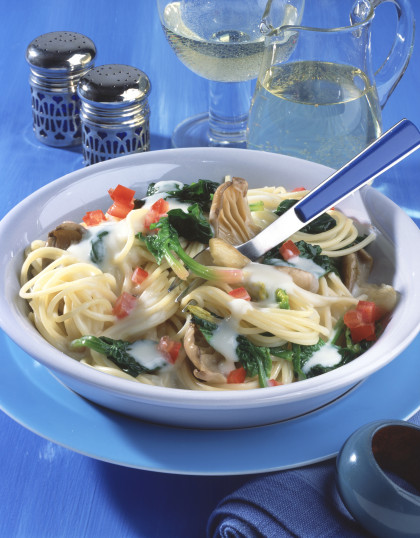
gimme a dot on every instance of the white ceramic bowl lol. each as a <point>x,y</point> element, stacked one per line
<point>396,262</point>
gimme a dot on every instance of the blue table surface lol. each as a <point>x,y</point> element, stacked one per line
<point>48,490</point>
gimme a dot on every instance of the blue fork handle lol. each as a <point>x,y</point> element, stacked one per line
<point>395,144</point>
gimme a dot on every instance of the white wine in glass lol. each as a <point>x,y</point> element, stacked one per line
<point>221,41</point>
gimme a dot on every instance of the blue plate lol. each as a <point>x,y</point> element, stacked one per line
<point>38,401</point>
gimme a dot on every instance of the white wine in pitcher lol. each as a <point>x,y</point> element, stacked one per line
<point>319,111</point>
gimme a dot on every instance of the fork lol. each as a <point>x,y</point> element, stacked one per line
<point>393,146</point>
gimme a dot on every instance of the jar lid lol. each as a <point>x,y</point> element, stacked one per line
<point>114,84</point>
<point>64,51</point>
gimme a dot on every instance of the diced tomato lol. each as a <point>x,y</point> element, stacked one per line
<point>124,305</point>
<point>365,331</point>
<point>352,318</point>
<point>157,210</point>
<point>361,320</point>
<point>93,218</point>
<point>123,198</point>
<point>297,189</point>
<point>139,275</point>
<point>240,293</point>
<point>151,217</point>
<point>237,376</point>
<point>122,194</point>
<point>370,311</point>
<point>273,383</point>
<point>120,210</point>
<point>289,250</point>
<point>161,206</point>
<point>169,348</point>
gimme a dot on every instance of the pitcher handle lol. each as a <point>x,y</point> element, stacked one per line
<point>391,71</point>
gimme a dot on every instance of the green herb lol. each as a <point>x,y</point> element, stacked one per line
<point>321,224</point>
<point>192,225</point>
<point>116,351</point>
<point>97,252</point>
<point>200,192</point>
<point>282,299</point>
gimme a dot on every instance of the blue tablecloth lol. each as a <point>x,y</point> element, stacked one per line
<point>49,491</point>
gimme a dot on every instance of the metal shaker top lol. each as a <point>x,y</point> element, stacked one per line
<point>114,85</point>
<point>62,52</point>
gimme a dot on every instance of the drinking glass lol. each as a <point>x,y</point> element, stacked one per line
<point>221,41</point>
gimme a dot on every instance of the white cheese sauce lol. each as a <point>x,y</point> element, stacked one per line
<point>258,273</point>
<point>162,188</point>
<point>223,340</point>
<point>113,242</point>
<point>239,307</point>
<point>327,356</point>
<point>302,263</point>
<point>146,353</point>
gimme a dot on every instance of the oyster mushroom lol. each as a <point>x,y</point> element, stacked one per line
<point>230,215</point>
<point>65,234</point>
<point>209,364</point>
<point>355,268</point>
<point>303,279</point>
<point>224,254</point>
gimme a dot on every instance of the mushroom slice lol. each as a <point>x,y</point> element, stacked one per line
<point>209,364</point>
<point>303,279</point>
<point>230,215</point>
<point>355,268</point>
<point>384,295</point>
<point>226,255</point>
<point>65,235</point>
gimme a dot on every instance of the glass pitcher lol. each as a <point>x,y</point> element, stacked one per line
<point>317,96</point>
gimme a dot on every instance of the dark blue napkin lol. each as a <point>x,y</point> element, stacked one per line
<point>300,503</point>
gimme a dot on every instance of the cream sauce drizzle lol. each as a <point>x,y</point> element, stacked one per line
<point>145,353</point>
<point>258,273</point>
<point>327,356</point>
<point>223,341</point>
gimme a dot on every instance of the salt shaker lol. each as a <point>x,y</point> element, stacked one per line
<point>114,112</point>
<point>57,60</point>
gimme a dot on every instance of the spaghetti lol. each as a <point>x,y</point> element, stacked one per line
<point>213,339</point>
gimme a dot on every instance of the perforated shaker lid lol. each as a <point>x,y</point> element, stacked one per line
<point>114,84</point>
<point>61,51</point>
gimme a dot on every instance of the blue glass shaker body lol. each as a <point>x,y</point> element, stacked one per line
<point>114,112</point>
<point>57,60</point>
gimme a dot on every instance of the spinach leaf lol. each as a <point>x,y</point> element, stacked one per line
<point>200,192</point>
<point>116,351</point>
<point>151,189</point>
<point>321,224</point>
<point>311,252</point>
<point>192,225</point>
<point>97,252</point>
<point>255,359</point>
<point>165,244</point>
<point>204,320</point>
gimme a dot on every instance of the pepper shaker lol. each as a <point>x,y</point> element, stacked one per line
<point>57,60</point>
<point>114,112</point>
